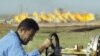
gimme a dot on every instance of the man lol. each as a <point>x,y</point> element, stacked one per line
<point>11,44</point>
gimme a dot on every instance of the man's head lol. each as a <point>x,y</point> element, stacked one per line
<point>27,29</point>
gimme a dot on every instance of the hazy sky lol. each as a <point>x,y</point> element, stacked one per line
<point>16,6</point>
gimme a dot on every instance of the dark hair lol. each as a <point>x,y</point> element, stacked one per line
<point>29,23</point>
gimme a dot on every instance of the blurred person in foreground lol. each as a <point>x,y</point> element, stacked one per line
<point>11,44</point>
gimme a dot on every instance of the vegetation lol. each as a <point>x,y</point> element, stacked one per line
<point>67,37</point>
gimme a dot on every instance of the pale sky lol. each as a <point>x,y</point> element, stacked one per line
<point>16,6</point>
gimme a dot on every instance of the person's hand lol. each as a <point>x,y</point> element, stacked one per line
<point>47,43</point>
<point>44,45</point>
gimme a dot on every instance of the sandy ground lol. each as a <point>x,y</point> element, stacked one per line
<point>94,23</point>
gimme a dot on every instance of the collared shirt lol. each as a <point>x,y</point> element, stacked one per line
<point>10,45</point>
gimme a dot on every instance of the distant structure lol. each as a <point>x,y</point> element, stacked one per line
<point>57,16</point>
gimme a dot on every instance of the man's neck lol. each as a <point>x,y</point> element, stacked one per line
<point>19,36</point>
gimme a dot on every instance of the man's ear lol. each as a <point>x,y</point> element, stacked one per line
<point>21,29</point>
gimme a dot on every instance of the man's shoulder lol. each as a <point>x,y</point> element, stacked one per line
<point>13,37</point>
<point>10,38</point>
